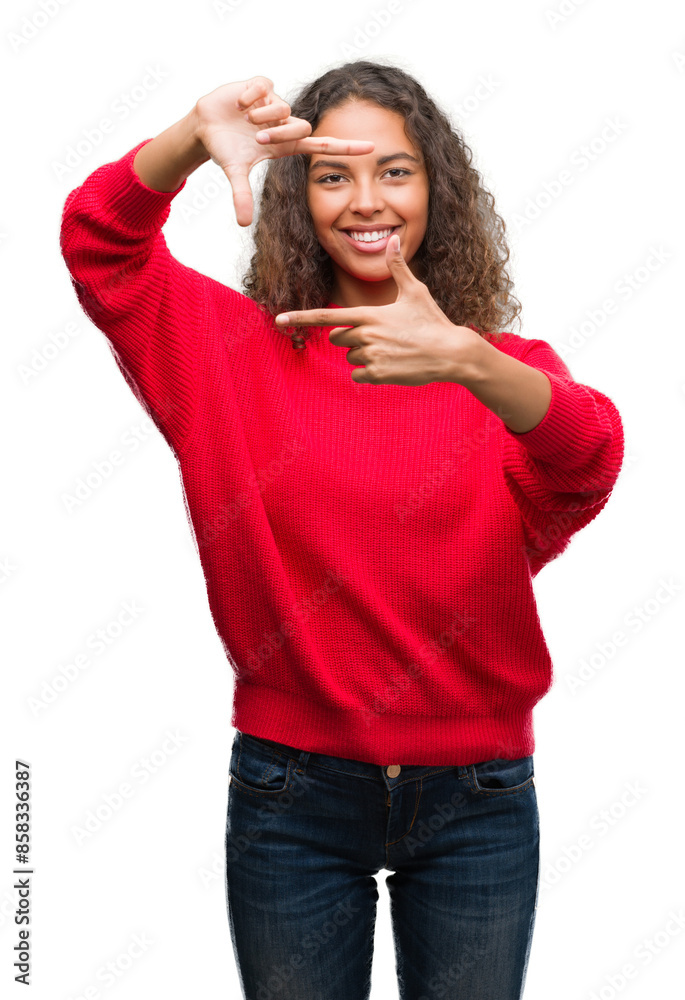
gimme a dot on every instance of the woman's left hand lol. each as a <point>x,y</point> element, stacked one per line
<point>408,342</point>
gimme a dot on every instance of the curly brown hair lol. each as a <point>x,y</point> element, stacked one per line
<point>463,254</point>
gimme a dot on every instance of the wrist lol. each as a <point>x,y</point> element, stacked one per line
<point>164,163</point>
<point>194,125</point>
<point>518,393</point>
<point>469,361</point>
<point>190,150</point>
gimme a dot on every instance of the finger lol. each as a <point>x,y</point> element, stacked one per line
<point>258,86</point>
<point>343,147</point>
<point>342,329</point>
<point>278,111</point>
<point>292,130</point>
<point>242,194</point>
<point>322,317</point>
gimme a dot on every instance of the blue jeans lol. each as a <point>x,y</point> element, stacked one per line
<point>305,835</point>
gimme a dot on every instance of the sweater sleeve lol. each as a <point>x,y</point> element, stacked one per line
<point>561,473</point>
<point>148,305</point>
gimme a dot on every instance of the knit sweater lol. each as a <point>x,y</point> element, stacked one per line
<point>368,550</point>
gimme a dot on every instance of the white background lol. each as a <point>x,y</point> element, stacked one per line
<point>558,73</point>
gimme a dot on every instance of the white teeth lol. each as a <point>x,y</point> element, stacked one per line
<point>370,237</point>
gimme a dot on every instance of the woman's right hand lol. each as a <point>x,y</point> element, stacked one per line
<point>228,120</point>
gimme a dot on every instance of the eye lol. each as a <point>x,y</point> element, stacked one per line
<point>334,177</point>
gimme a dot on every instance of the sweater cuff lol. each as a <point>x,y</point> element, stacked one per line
<point>142,210</point>
<point>568,431</point>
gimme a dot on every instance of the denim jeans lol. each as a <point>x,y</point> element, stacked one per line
<point>305,835</point>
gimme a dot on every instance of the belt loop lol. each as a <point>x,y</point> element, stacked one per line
<point>302,761</point>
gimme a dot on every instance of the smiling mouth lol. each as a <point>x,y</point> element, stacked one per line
<point>370,241</point>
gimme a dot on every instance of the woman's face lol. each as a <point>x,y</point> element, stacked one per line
<point>348,195</point>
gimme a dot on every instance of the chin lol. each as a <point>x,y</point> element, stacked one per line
<point>366,277</point>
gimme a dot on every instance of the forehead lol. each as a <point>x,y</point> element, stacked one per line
<point>364,120</point>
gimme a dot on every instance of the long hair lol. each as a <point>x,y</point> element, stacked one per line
<point>463,254</point>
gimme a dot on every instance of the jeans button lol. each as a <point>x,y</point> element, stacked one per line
<point>393,770</point>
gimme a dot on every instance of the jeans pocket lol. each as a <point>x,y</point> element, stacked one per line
<point>502,777</point>
<point>258,768</point>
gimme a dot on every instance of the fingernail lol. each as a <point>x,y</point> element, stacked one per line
<point>283,318</point>
<point>263,137</point>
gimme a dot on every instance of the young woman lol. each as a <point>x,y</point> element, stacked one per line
<point>369,513</point>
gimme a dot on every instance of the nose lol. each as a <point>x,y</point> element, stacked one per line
<point>367,198</point>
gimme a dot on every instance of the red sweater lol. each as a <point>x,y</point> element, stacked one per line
<point>368,550</point>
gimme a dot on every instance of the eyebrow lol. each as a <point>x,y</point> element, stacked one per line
<point>379,162</point>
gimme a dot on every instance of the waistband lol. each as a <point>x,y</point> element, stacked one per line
<point>361,768</point>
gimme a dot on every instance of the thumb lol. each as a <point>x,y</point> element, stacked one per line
<point>397,265</point>
<point>242,194</point>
